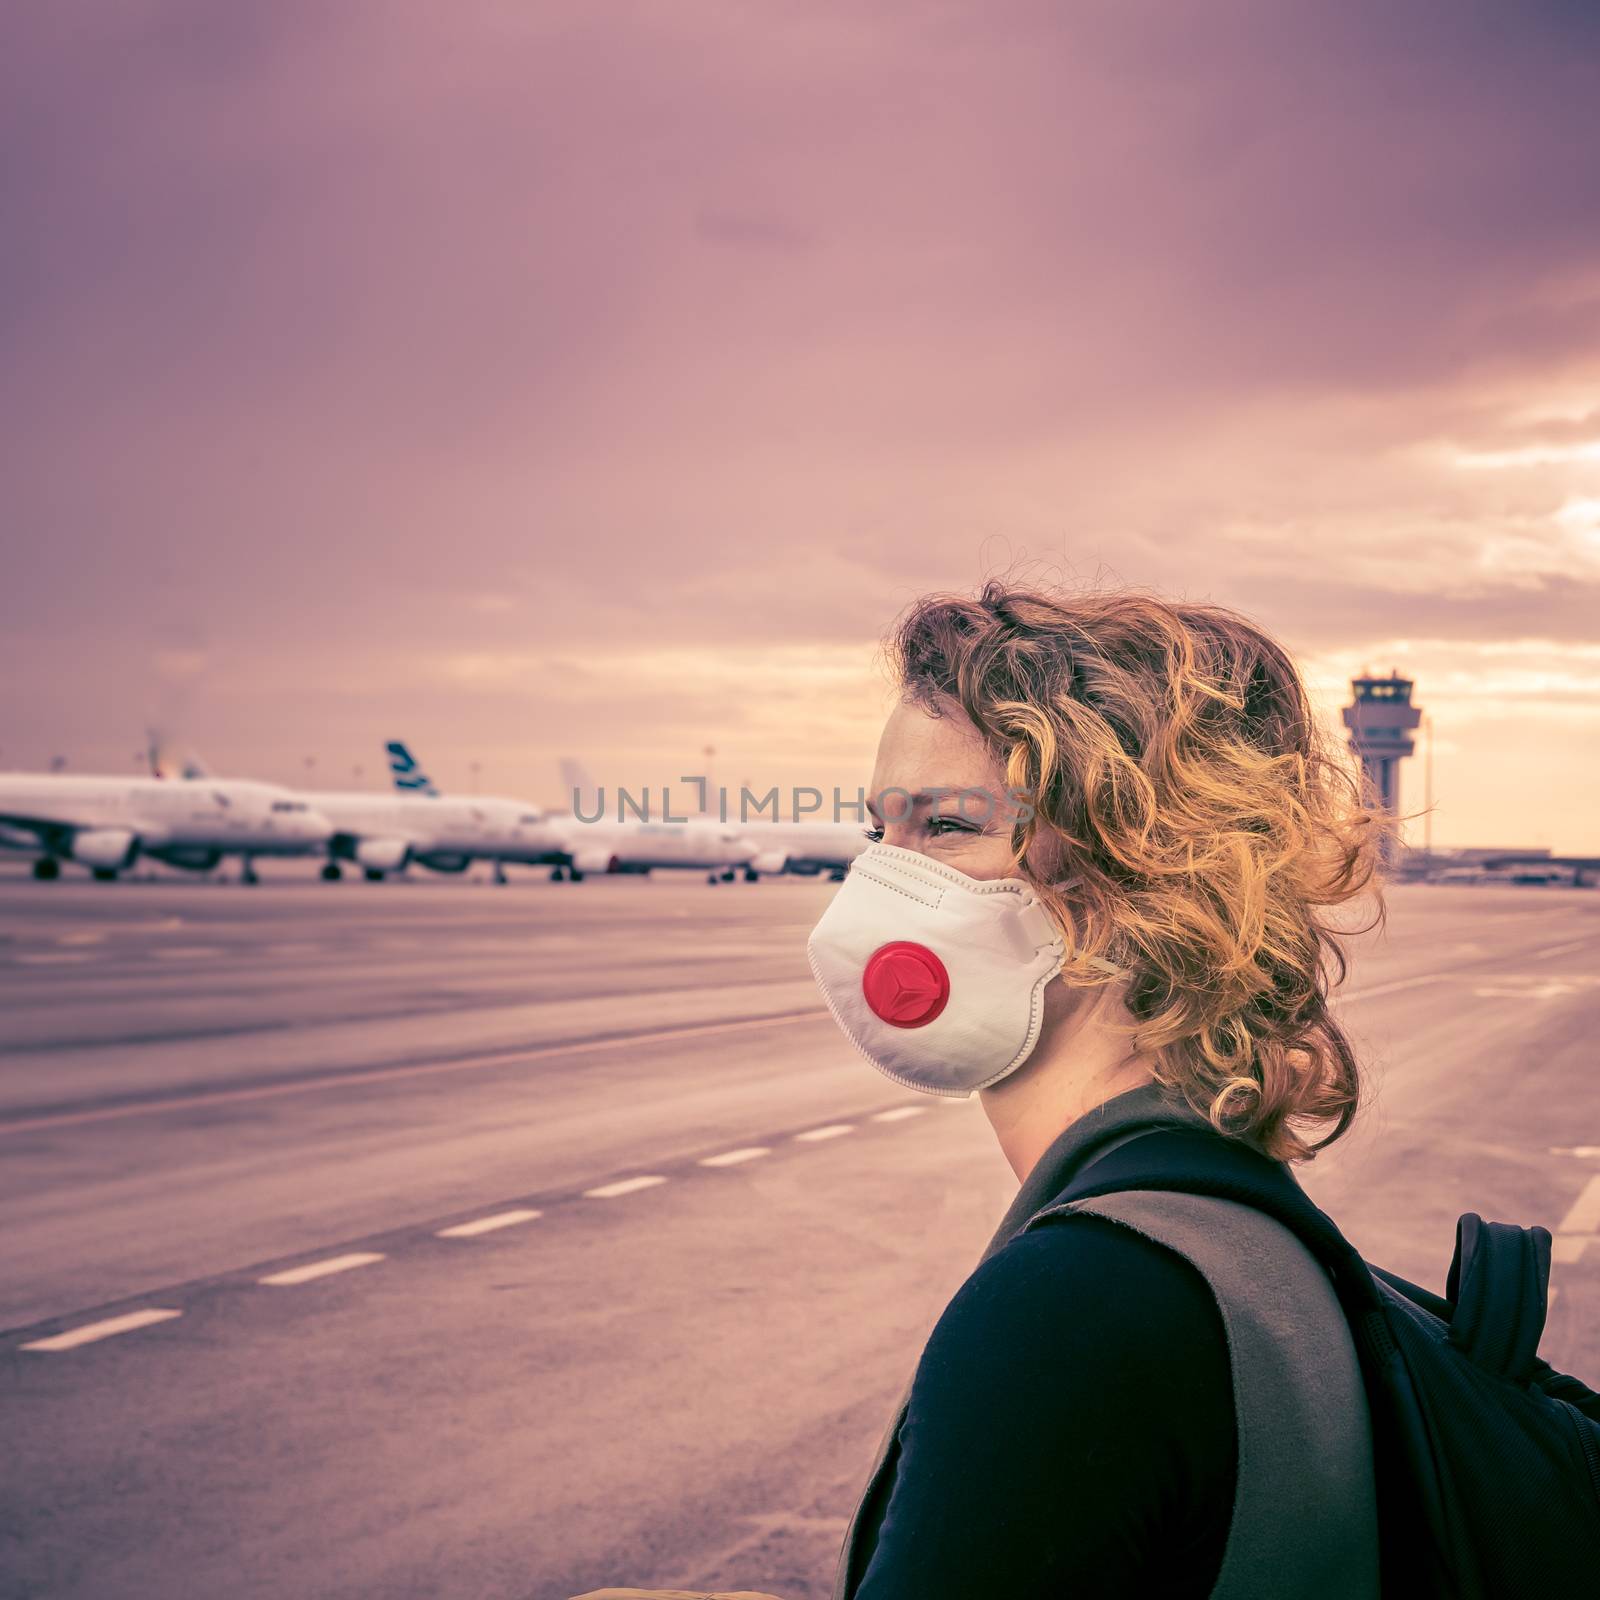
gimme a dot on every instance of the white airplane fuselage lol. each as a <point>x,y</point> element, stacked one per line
<point>108,822</point>
<point>386,831</point>
<point>806,848</point>
<point>631,846</point>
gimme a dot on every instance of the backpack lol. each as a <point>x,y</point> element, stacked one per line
<point>1486,1461</point>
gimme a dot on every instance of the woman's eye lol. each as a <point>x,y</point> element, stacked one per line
<point>944,825</point>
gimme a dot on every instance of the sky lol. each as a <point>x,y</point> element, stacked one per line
<point>599,379</point>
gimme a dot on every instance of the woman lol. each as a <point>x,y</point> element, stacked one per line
<point>1106,831</point>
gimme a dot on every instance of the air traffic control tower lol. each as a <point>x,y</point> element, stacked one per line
<point>1381,721</point>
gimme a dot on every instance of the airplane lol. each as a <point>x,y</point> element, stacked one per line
<point>107,823</point>
<point>632,846</point>
<point>1544,868</point>
<point>635,846</point>
<point>387,832</point>
<point>806,849</point>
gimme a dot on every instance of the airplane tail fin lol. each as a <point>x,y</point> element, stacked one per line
<point>166,763</point>
<point>408,774</point>
<point>580,789</point>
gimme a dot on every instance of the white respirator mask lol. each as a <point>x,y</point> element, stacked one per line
<point>938,979</point>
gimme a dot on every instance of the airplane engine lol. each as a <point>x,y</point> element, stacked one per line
<point>443,861</point>
<point>382,855</point>
<point>106,848</point>
<point>191,860</point>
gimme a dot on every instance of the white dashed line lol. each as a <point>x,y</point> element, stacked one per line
<point>322,1269</point>
<point>1547,989</point>
<point>90,1331</point>
<point>834,1130</point>
<point>732,1158</point>
<point>898,1114</point>
<point>501,1219</point>
<point>1584,1217</point>
<point>610,1191</point>
<point>1391,988</point>
<point>1568,1248</point>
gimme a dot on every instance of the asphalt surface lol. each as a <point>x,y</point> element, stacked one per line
<point>675,1384</point>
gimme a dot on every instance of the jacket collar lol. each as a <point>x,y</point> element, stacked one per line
<point>1094,1134</point>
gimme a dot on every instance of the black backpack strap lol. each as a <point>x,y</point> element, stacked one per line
<point>1499,1285</point>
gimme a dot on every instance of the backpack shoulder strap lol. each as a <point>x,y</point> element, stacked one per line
<point>1304,1521</point>
<point>1499,1287</point>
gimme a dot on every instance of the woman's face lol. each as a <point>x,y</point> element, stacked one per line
<point>939,791</point>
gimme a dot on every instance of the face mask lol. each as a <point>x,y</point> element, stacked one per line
<point>937,978</point>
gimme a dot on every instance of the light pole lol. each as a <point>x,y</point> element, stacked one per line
<point>1427,790</point>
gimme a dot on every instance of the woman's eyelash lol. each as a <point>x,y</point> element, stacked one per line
<point>936,825</point>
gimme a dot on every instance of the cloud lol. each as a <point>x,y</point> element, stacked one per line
<point>385,336</point>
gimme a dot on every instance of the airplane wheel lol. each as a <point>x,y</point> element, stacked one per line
<point>47,869</point>
<point>711,877</point>
<point>835,877</point>
<point>751,875</point>
<point>575,875</point>
<point>331,872</point>
<point>104,874</point>
<point>557,875</point>
<point>249,876</point>
<point>372,875</point>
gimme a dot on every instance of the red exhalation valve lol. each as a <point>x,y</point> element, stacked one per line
<point>905,984</point>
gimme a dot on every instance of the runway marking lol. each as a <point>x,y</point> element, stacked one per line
<point>1582,1151</point>
<point>898,1114</point>
<point>733,1158</point>
<point>1568,1248</point>
<point>1584,1217</point>
<point>1391,988</point>
<point>500,1219</point>
<point>91,1331</point>
<point>834,1130</point>
<point>1531,989</point>
<point>490,1058</point>
<point>322,1269</point>
<point>52,958</point>
<point>1564,949</point>
<point>610,1191</point>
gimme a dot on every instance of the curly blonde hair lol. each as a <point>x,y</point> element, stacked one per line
<point>1170,753</point>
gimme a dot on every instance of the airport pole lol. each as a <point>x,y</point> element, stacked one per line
<point>1427,801</point>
